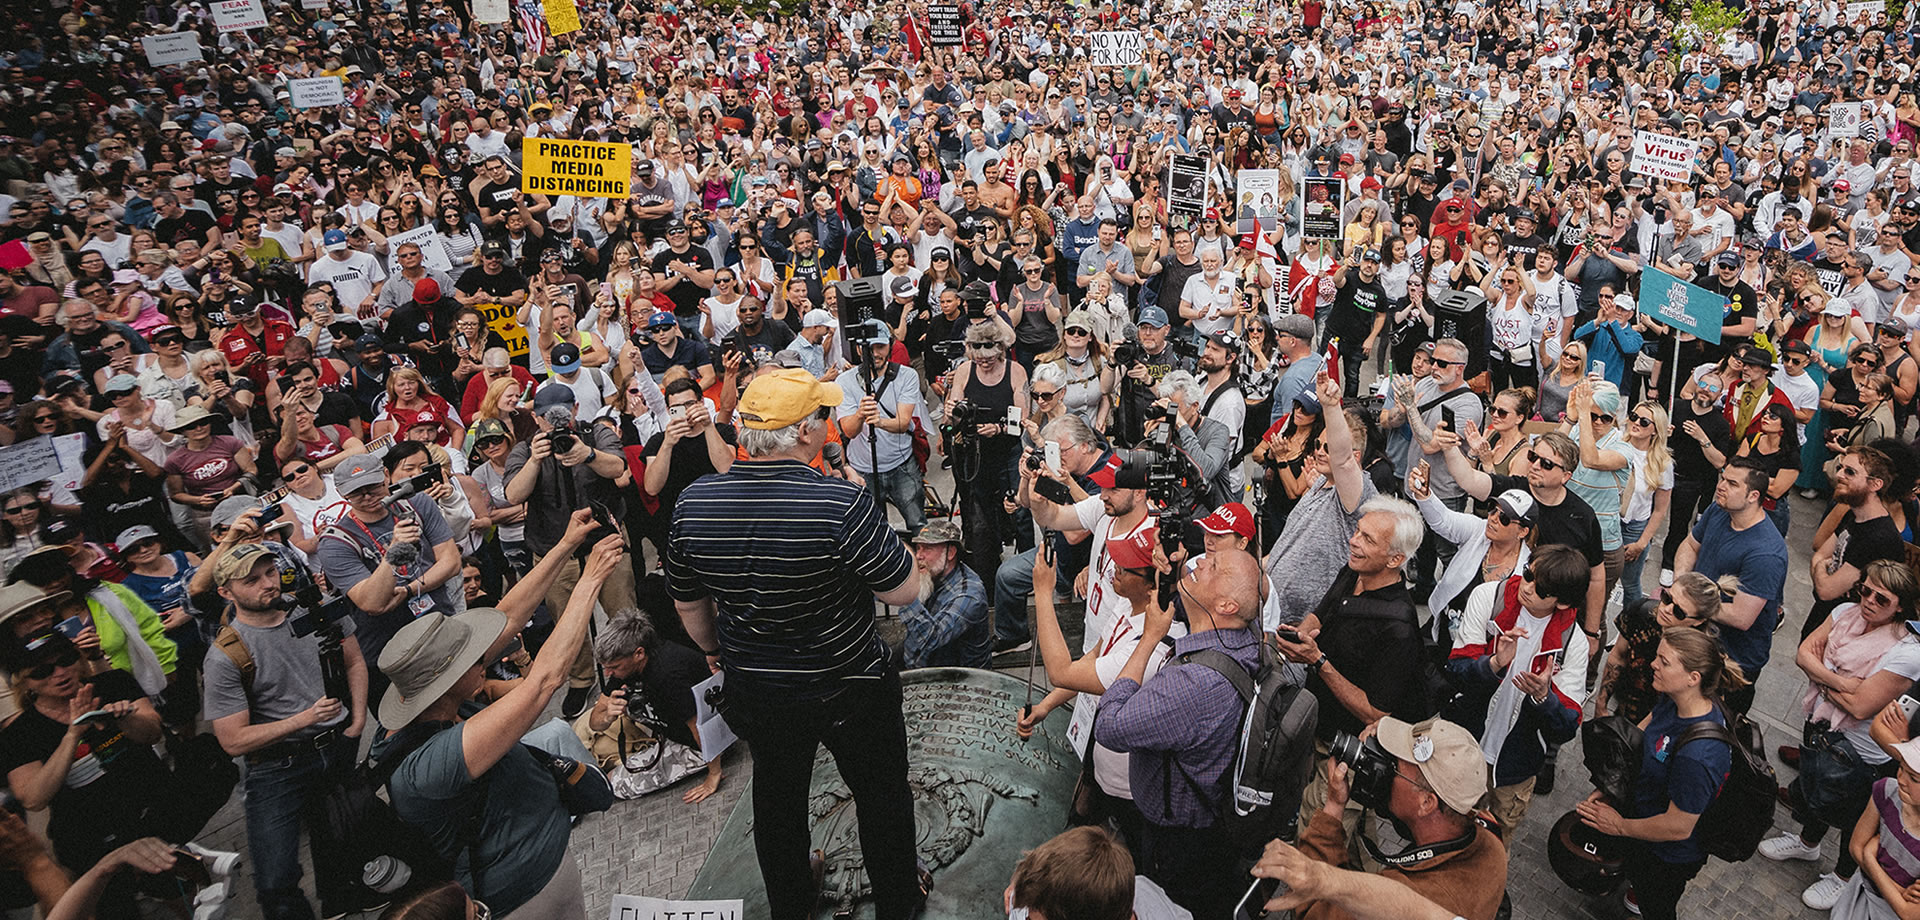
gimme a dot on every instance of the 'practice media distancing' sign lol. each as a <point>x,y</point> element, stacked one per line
<point>591,169</point>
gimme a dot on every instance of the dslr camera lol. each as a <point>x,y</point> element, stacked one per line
<point>1370,769</point>
<point>962,422</point>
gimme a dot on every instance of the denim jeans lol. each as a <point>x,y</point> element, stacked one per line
<point>281,793</point>
<point>900,487</point>
<point>1012,585</point>
<point>1630,590</point>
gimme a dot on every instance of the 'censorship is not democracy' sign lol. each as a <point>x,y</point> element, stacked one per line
<point>589,169</point>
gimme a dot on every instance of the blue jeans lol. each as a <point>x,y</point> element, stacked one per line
<point>1630,590</point>
<point>900,487</point>
<point>281,793</point>
<point>1012,585</point>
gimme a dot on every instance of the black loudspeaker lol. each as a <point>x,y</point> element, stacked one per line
<point>860,305</point>
<point>1463,315</point>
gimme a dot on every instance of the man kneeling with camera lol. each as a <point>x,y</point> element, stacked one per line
<point>1427,779</point>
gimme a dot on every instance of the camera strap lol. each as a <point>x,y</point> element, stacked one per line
<point>1406,859</point>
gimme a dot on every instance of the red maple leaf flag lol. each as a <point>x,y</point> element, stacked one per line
<point>1333,362</point>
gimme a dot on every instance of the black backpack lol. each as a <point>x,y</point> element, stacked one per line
<point>1742,814</point>
<point>1274,757</point>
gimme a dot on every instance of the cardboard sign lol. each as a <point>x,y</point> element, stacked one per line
<point>1663,156</point>
<point>500,319</point>
<point>1257,199</point>
<point>1115,49</point>
<point>1187,185</point>
<point>1874,10</point>
<point>1689,308</point>
<point>27,462</point>
<point>432,254</point>
<point>490,11</point>
<point>562,16</point>
<point>943,25</point>
<point>238,15</point>
<point>172,48</point>
<point>316,92</point>
<point>634,907</point>
<point>589,169</point>
<point>1844,119</point>
<point>315,4</point>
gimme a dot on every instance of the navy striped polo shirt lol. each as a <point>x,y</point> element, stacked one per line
<point>791,559</point>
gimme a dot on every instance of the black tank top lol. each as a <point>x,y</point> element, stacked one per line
<point>991,401</point>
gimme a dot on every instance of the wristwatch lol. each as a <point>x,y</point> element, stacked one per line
<point>1321,663</point>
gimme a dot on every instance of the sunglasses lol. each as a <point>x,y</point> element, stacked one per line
<point>1599,418</point>
<point>1544,463</point>
<point>21,509</point>
<point>1501,516</point>
<point>1876,595</point>
<point>1047,395</point>
<point>1441,362</point>
<point>1643,420</point>
<point>45,669</point>
<point>1501,411</point>
<point>1078,332</point>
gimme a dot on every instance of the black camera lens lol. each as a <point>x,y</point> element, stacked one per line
<point>1370,769</point>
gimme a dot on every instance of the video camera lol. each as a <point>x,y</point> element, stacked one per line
<point>962,421</point>
<point>975,297</point>
<point>298,591</point>
<point>952,349</point>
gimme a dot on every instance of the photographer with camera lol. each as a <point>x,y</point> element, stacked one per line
<point>1207,441</point>
<point>876,425</point>
<point>390,555</point>
<point>1427,779</point>
<point>279,712</point>
<point>1179,729</point>
<point>1143,365</point>
<point>565,466</point>
<point>650,696</point>
<point>979,440</point>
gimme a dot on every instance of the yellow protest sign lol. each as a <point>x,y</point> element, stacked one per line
<point>562,16</point>
<point>589,169</point>
<point>500,319</point>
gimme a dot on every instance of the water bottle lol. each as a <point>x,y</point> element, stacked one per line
<point>385,874</point>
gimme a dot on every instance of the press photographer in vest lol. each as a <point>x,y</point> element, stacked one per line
<point>1427,779</point>
<point>391,557</point>
<point>296,738</point>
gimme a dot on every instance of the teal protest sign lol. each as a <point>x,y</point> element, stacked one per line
<point>1690,308</point>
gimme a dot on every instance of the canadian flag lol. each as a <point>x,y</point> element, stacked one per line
<point>1333,362</point>
<point>1262,246</point>
<point>1303,287</point>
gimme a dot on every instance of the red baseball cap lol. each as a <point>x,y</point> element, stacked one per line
<point>426,290</point>
<point>1232,517</point>
<point>1134,552</point>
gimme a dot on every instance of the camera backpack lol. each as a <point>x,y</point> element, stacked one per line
<point>1742,813</point>
<point>1273,758</point>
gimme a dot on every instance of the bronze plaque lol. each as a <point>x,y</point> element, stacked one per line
<point>982,797</point>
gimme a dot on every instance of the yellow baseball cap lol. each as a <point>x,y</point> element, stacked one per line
<point>784,397</point>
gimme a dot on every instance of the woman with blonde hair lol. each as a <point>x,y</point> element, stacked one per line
<point>410,403</point>
<point>1647,507</point>
<point>1090,378</point>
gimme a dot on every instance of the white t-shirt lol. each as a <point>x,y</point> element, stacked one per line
<point>1211,296</point>
<point>353,278</point>
<point>1103,605</point>
<point>1640,504</point>
<point>1800,390</point>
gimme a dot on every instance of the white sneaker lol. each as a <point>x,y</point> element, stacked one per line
<point>1666,578</point>
<point>220,863</point>
<point>216,911</point>
<point>1824,892</point>
<point>1788,846</point>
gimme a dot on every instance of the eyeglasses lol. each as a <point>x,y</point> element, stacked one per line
<point>1544,463</point>
<point>45,669</point>
<point>21,509</point>
<point>1871,593</point>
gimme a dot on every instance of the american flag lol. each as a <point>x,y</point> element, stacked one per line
<point>532,17</point>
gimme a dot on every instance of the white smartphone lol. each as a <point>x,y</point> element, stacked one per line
<point>1599,369</point>
<point>1053,455</point>
<point>1908,705</point>
<point>1543,662</point>
<point>1013,416</point>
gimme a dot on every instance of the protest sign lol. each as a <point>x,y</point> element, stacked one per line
<point>1115,49</point>
<point>715,735</point>
<point>1257,199</point>
<point>1672,302</point>
<point>166,48</point>
<point>316,92</point>
<point>1324,197</point>
<point>634,907</point>
<point>500,319</point>
<point>1844,118</point>
<point>489,10</point>
<point>28,462</point>
<point>1874,10</point>
<point>943,25</point>
<point>562,16</point>
<point>238,15</point>
<point>432,254</point>
<point>1663,156</point>
<point>1186,185</point>
<point>589,169</point>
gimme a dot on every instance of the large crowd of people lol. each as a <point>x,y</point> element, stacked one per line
<point>1331,343</point>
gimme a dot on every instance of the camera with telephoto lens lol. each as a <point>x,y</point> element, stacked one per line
<point>1370,769</point>
<point>1162,412</point>
<point>563,433</point>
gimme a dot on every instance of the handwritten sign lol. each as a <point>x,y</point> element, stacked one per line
<point>562,17</point>
<point>172,48</point>
<point>432,253</point>
<point>1874,10</point>
<point>589,169</point>
<point>490,11</point>
<point>500,319</point>
<point>1115,49</point>
<point>27,462</point>
<point>943,25</point>
<point>238,15</point>
<point>634,907</point>
<point>1663,156</point>
<point>1844,119</point>
<point>316,92</point>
